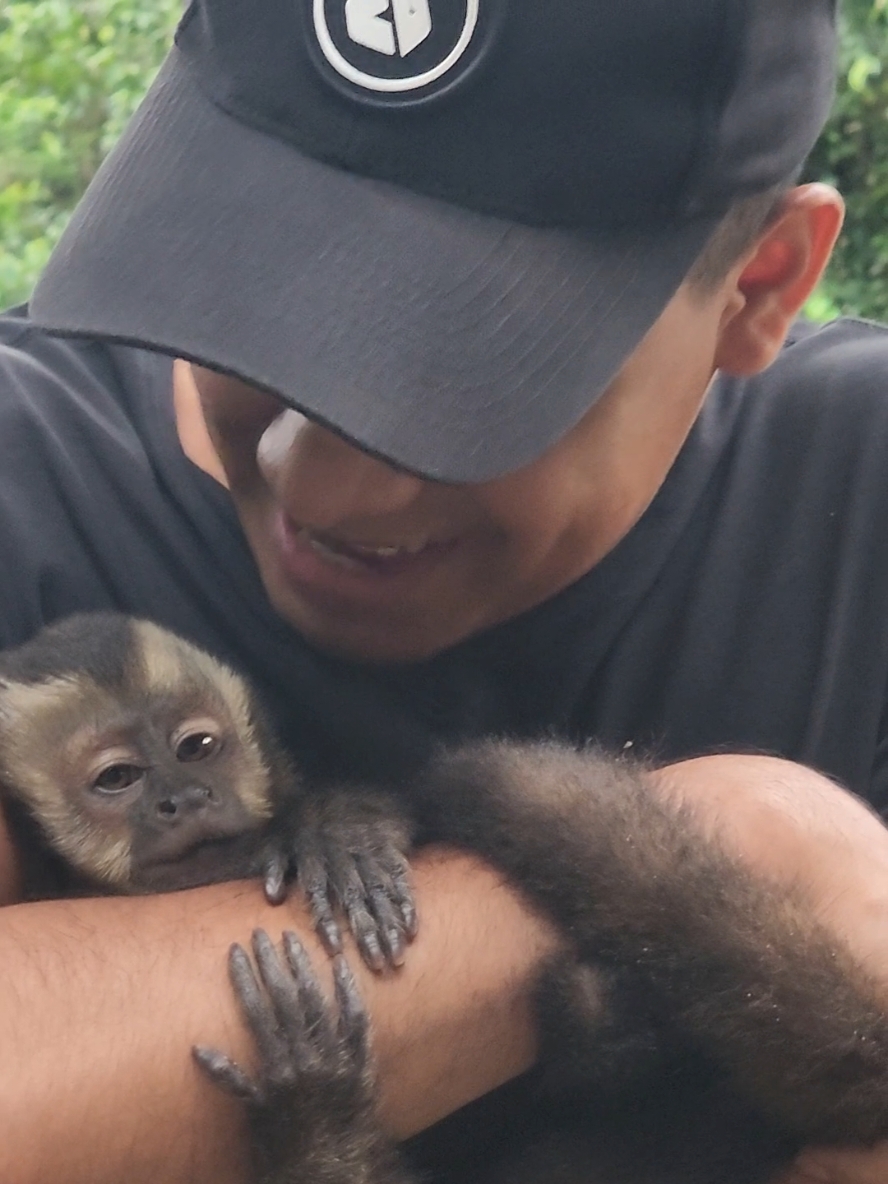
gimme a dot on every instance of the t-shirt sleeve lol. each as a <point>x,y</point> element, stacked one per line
<point>59,428</point>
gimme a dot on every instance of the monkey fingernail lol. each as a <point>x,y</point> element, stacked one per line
<point>328,931</point>
<point>226,1074</point>
<point>411,921</point>
<point>371,952</point>
<point>395,942</point>
<point>275,890</point>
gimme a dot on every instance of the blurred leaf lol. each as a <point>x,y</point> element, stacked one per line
<point>853,155</point>
<point>71,73</point>
<point>821,306</point>
<point>862,70</point>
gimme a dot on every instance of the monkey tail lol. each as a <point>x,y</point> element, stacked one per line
<point>737,965</point>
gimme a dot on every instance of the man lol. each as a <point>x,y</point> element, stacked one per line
<point>488,425</point>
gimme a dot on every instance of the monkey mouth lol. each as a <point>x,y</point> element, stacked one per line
<point>207,861</point>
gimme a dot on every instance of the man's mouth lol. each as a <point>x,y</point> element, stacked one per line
<point>355,555</point>
<point>327,567</point>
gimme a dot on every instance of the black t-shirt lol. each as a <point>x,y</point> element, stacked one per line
<point>747,610</point>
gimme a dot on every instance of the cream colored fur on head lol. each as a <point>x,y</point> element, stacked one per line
<point>48,729</point>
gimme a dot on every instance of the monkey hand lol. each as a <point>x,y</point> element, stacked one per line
<point>311,1107</point>
<point>348,852</point>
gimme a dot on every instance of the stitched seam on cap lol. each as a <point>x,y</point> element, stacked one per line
<point>725,62</point>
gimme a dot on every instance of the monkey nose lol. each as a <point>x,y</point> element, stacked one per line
<point>184,802</point>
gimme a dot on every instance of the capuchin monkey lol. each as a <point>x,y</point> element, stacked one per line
<point>701,1029</point>
<point>131,762</point>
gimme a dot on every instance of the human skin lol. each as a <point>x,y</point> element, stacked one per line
<point>792,826</point>
<point>335,531</point>
<point>533,532</point>
<point>592,488</point>
<point>101,1000</point>
<point>87,1017</point>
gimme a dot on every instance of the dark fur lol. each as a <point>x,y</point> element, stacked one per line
<point>706,1029</point>
<point>703,1030</point>
<point>770,1035</point>
<point>243,812</point>
<point>94,657</point>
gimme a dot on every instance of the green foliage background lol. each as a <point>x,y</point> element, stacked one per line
<point>853,155</point>
<point>71,72</point>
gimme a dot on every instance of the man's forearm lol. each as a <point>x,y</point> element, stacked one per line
<point>792,825</point>
<point>101,1000</point>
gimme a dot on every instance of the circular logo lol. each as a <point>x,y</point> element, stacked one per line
<point>394,46</point>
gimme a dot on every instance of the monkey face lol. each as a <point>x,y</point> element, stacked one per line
<point>173,787</point>
<point>144,770</point>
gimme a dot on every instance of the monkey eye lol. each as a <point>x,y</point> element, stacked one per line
<point>196,746</point>
<point>116,778</point>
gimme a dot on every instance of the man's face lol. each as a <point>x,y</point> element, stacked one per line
<point>378,565</point>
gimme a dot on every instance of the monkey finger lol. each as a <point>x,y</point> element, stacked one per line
<point>255,1008</point>
<point>353,1026</point>
<point>404,899</point>
<point>349,879</point>
<point>275,877</point>
<point>311,865</point>
<point>365,931</point>
<point>314,882</point>
<point>389,926</point>
<point>325,924</point>
<point>294,996</point>
<point>294,992</point>
<point>313,1002</point>
<point>321,1032</point>
<point>229,1076</point>
<point>382,899</point>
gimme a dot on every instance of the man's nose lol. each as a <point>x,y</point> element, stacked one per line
<point>322,481</point>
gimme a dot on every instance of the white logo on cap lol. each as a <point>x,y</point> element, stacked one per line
<point>369,24</point>
<point>366,26</point>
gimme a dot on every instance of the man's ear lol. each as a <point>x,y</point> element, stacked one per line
<point>771,283</point>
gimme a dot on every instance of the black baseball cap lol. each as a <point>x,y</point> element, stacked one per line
<point>438,227</point>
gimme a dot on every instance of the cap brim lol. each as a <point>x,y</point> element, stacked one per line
<point>456,345</point>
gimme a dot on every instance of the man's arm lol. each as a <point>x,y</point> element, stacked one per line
<point>796,827</point>
<point>100,1000</point>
